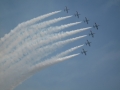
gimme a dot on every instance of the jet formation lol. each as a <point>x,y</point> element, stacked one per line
<point>86,20</point>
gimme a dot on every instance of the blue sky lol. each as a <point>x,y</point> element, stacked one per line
<point>100,69</point>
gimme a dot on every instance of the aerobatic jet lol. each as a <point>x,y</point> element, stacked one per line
<point>77,14</point>
<point>88,43</point>
<point>91,33</point>
<point>84,52</point>
<point>66,9</point>
<point>96,26</point>
<point>86,20</point>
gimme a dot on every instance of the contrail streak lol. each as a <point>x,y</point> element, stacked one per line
<point>66,52</point>
<point>32,46</point>
<point>40,42</point>
<point>51,30</point>
<point>27,23</point>
<point>40,35</point>
<point>19,27</point>
<point>41,52</point>
<point>49,39</point>
<point>46,63</point>
<point>39,67</point>
<point>15,41</point>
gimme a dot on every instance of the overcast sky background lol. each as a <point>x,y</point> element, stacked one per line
<point>100,69</point>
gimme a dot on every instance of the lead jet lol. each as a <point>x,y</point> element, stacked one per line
<point>88,43</point>
<point>96,26</point>
<point>86,20</point>
<point>77,14</point>
<point>91,33</point>
<point>84,52</point>
<point>66,9</point>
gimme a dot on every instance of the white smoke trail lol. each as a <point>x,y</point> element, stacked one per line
<point>47,63</point>
<point>56,57</point>
<point>66,52</point>
<point>24,49</point>
<point>39,67</point>
<point>18,37</point>
<point>49,39</point>
<point>50,30</point>
<point>39,53</point>
<point>34,44</point>
<point>27,23</point>
<point>17,33</point>
<point>41,34</point>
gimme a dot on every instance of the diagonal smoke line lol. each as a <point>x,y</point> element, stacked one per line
<point>31,47</point>
<point>63,53</point>
<point>66,52</point>
<point>34,44</point>
<point>41,35</point>
<point>46,23</point>
<point>18,30</point>
<point>56,46</point>
<point>34,20</point>
<point>46,63</point>
<point>41,43</point>
<point>49,39</point>
<point>11,64</point>
<point>39,67</point>
<point>27,23</point>
<point>50,30</point>
<point>15,41</point>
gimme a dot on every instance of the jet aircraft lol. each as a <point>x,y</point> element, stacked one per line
<point>66,9</point>
<point>86,20</point>
<point>91,33</point>
<point>96,26</point>
<point>84,52</point>
<point>88,43</point>
<point>77,14</point>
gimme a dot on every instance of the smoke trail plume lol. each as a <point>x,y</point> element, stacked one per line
<point>41,66</point>
<point>37,53</point>
<point>32,46</point>
<point>17,39</point>
<point>27,23</point>
<point>40,35</point>
<point>49,39</point>
<point>40,43</point>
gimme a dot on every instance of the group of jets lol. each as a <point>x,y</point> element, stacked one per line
<point>86,20</point>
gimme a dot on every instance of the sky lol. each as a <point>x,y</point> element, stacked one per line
<point>99,69</point>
